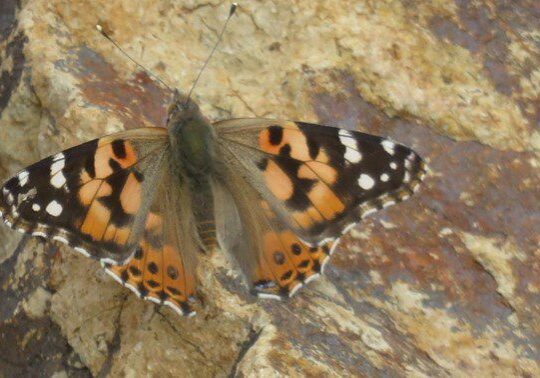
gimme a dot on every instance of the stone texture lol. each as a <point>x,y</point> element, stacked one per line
<point>447,283</point>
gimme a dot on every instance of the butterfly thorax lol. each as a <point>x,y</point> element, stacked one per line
<point>192,141</point>
<point>192,138</point>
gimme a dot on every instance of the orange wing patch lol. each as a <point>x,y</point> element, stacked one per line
<point>130,197</point>
<point>111,191</point>
<point>299,171</point>
<point>273,138</point>
<point>278,182</point>
<point>155,272</point>
<point>119,151</point>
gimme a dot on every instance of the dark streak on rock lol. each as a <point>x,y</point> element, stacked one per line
<point>8,20</point>
<point>115,343</point>
<point>9,80</point>
<point>181,335</point>
<point>251,340</point>
<point>504,300</point>
<point>10,296</point>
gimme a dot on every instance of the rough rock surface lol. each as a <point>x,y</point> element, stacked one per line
<point>445,284</point>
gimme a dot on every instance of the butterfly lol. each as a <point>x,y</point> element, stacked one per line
<point>276,196</point>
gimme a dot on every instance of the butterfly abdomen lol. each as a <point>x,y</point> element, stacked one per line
<point>203,209</point>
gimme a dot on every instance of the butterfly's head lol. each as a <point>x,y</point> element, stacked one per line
<point>191,134</point>
<point>183,110</point>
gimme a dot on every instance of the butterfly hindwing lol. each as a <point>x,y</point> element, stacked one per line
<point>275,262</point>
<point>93,197</point>
<point>312,183</point>
<point>162,269</point>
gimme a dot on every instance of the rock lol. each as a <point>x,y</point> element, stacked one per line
<point>446,283</point>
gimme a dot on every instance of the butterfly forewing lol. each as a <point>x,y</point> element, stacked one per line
<point>319,180</point>
<point>94,197</point>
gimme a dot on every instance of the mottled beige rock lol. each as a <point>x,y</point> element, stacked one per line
<point>447,283</point>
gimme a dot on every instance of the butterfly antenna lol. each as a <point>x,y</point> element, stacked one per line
<point>231,12</point>
<point>103,33</point>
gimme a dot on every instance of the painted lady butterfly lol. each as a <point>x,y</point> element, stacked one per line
<point>275,195</point>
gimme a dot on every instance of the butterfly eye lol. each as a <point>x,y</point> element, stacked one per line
<point>182,106</point>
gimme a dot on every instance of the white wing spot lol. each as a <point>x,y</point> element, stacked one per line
<point>324,263</point>
<point>348,228</point>
<point>152,299</point>
<point>82,251</point>
<point>388,146</point>
<point>23,178</point>
<point>57,166</point>
<point>36,207</point>
<point>54,208</point>
<point>58,180</point>
<point>178,310</point>
<point>369,212</point>
<point>366,182</point>
<point>393,165</point>
<point>107,260</point>
<point>406,177</point>
<point>61,239</point>
<point>59,156</point>
<point>352,154</point>
<point>312,277</point>
<point>385,177</point>
<point>295,289</point>
<point>269,296</point>
<point>114,276</point>
<point>388,203</point>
